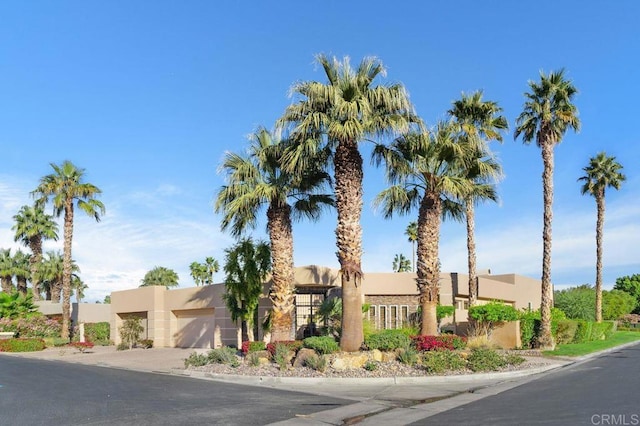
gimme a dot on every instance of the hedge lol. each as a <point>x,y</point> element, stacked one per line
<point>324,345</point>
<point>98,333</point>
<point>21,345</point>
<point>388,340</point>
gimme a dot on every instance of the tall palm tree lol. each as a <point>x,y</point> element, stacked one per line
<point>412,235</point>
<point>401,263</point>
<point>161,276</point>
<point>547,114</point>
<point>480,121</point>
<point>246,267</point>
<point>423,174</point>
<point>6,271</point>
<point>32,226</point>
<point>66,189</point>
<point>51,274</point>
<point>21,270</point>
<point>258,180</point>
<point>79,287</point>
<point>602,172</point>
<point>333,118</point>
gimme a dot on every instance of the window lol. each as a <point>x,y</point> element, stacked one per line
<point>393,317</point>
<point>404,315</point>
<point>383,317</point>
<point>373,317</point>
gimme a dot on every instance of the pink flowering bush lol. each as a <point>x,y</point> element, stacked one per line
<point>448,342</point>
<point>37,326</point>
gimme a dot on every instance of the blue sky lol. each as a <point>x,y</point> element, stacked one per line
<point>147,96</point>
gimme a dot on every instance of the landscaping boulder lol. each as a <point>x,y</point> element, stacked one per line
<point>302,356</point>
<point>348,361</point>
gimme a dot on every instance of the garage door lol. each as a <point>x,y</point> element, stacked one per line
<point>194,328</point>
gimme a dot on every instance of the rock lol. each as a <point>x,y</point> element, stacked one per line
<point>389,356</point>
<point>349,361</point>
<point>376,355</point>
<point>302,356</point>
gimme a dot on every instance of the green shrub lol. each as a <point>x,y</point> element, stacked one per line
<point>130,330</point>
<point>195,360</point>
<point>566,331</point>
<point>388,340</point>
<point>98,332</point>
<point>324,345</point>
<point>281,355</point>
<point>318,363</point>
<point>223,355</point>
<point>583,331</point>
<point>441,361</point>
<point>253,359</point>
<point>513,359</point>
<point>21,345</point>
<point>602,330</point>
<point>145,343</point>
<point>408,355</point>
<point>485,318</point>
<point>33,326</point>
<point>122,347</point>
<point>370,366</point>
<point>484,359</point>
<point>55,341</point>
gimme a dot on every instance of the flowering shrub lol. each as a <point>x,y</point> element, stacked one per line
<point>448,342</point>
<point>248,346</point>
<point>82,346</point>
<point>292,345</point>
<point>37,326</point>
<point>21,345</point>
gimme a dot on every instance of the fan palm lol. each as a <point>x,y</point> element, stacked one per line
<point>547,115</point>
<point>32,226</point>
<point>480,121</point>
<point>21,270</point>
<point>333,118</point>
<point>401,263</point>
<point>6,271</point>
<point>66,189</point>
<point>160,276</point>
<point>602,172</point>
<point>258,180</point>
<point>412,235</point>
<point>422,171</point>
<point>52,274</point>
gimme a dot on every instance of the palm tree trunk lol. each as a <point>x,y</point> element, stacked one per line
<point>55,291</point>
<point>413,251</point>
<point>545,339</point>
<point>282,290</point>
<point>599,230</point>
<point>22,285</point>
<point>7,286</point>
<point>66,270</point>
<point>348,192</point>
<point>35,244</point>
<point>471,252</point>
<point>428,279</point>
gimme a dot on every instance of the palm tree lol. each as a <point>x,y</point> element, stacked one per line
<point>422,171</point>
<point>480,121</point>
<point>21,270</point>
<point>601,173</point>
<point>6,271</point>
<point>51,275</point>
<point>412,235</point>
<point>401,263</point>
<point>258,180</point>
<point>31,228</point>
<point>160,276</point>
<point>79,286</point>
<point>246,267</point>
<point>65,188</point>
<point>333,118</point>
<point>547,114</point>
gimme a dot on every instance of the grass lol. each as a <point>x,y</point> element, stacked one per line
<point>579,349</point>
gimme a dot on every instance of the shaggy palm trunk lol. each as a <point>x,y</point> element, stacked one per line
<point>348,191</point>
<point>428,279</point>
<point>55,289</point>
<point>545,339</point>
<point>22,285</point>
<point>66,270</point>
<point>7,285</point>
<point>281,294</point>
<point>35,243</point>
<point>599,230</point>
<point>471,252</point>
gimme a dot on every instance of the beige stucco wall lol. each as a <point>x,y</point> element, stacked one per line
<point>80,312</point>
<point>198,316</point>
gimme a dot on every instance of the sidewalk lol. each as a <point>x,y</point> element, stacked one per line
<point>394,400</point>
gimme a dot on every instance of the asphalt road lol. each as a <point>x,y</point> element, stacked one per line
<point>601,392</point>
<point>35,392</point>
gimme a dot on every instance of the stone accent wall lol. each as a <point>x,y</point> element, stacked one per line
<point>408,300</point>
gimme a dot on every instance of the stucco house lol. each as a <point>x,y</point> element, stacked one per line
<point>197,317</point>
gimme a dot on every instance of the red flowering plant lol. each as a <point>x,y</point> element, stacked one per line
<point>447,342</point>
<point>82,346</point>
